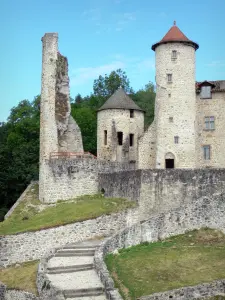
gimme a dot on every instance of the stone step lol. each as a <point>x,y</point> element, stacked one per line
<point>69,261</point>
<point>74,246</point>
<point>75,252</point>
<point>87,279</point>
<point>99,297</point>
<point>83,292</point>
<point>68,269</point>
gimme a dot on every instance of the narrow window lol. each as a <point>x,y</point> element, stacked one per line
<point>206,152</point>
<point>209,123</point>
<point>171,119</point>
<point>120,138</point>
<point>206,92</point>
<point>131,139</point>
<point>169,77</point>
<point>131,113</point>
<point>174,54</point>
<point>105,137</point>
<point>176,139</point>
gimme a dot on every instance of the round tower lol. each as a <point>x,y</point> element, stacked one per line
<point>120,124</point>
<point>175,100</point>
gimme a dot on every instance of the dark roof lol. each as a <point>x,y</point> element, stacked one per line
<point>120,100</point>
<point>217,85</point>
<point>175,35</point>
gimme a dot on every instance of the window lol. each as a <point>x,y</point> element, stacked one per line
<point>209,123</point>
<point>120,138</point>
<point>105,137</point>
<point>206,152</point>
<point>169,77</point>
<point>131,139</point>
<point>206,92</point>
<point>131,113</point>
<point>176,139</point>
<point>171,119</point>
<point>174,55</point>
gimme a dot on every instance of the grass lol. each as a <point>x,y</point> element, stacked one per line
<point>183,260</point>
<point>31,215</point>
<point>22,277</point>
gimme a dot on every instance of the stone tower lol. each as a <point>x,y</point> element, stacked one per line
<point>58,130</point>
<point>175,100</point>
<point>120,124</point>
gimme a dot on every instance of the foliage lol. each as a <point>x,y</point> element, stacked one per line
<point>184,260</point>
<point>22,277</point>
<point>19,136</point>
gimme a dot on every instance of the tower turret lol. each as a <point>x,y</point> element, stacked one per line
<point>175,100</point>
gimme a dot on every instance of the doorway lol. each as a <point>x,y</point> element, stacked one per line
<point>169,163</point>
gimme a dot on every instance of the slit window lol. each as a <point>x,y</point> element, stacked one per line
<point>120,138</point>
<point>206,152</point>
<point>169,77</point>
<point>174,54</point>
<point>176,139</point>
<point>131,139</point>
<point>131,113</point>
<point>209,123</point>
<point>105,137</point>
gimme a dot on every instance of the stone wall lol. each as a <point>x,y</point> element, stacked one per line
<point>200,291</point>
<point>201,212</point>
<point>147,148</point>
<point>30,246</point>
<point>72,177</point>
<point>11,294</point>
<point>160,190</point>
<point>215,138</point>
<point>113,121</point>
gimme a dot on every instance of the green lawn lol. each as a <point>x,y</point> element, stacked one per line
<point>31,215</point>
<point>22,277</point>
<point>184,260</point>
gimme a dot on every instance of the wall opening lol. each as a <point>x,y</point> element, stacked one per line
<point>120,138</point>
<point>169,163</point>
<point>105,137</point>
<point>131,113</point>
<point>131,139</point>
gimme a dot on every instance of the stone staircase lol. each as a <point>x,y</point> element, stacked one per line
<point>72,271</point>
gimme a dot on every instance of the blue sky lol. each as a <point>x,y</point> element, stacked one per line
<point>99,36</point>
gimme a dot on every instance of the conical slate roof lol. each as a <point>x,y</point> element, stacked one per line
<point>175,35</point>
<point>120,100</point>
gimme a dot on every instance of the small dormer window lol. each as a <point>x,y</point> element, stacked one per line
<point>174,55</point>
<point>206,92</point>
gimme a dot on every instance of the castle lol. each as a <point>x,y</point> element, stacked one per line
<point>187,131</point>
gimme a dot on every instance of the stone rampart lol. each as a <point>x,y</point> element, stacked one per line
<point>158,191</point>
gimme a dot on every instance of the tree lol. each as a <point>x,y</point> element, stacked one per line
<point>107,85</point>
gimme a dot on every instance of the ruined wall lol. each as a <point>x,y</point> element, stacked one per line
<point>214,137</point>
<point>160,190</point>
<point>58,130</point>
<point>115,120</point>
<point>175,104</point>
<point>147,148</point>
<point>73,177</point>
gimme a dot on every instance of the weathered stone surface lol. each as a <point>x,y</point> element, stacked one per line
<point>195,215</point>
<point>35,245</point>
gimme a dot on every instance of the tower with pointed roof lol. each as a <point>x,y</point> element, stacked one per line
<point>120,124</point>
<point>175,108</point>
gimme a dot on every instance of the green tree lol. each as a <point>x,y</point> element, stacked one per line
<point>107,85</point>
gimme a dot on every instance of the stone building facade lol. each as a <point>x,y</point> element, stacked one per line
<point>120,125</point>
<point>188,128</point>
